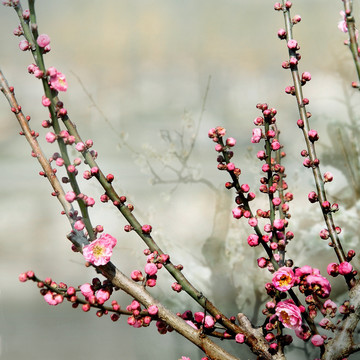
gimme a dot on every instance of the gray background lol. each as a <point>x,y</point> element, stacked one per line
<point>146,65</point>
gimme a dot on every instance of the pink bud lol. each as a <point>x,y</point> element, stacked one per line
<point>45,101</point>
<point>230,142</point>
<point>43,40</point>
<point>146,229</point>
<point>313,135</point>
<point>237,213</point>
<point>306,76</point>
<point>317,340</point>
<point>24,45</point>
<point>153,309</point>
<point>292,44</point>
<point>230,166</point>
<point>50,137</point>
<point>80,146</point>
<point>70,196</point>
<point>253,240</point>
<point>345,268</point>
<point>151,269</point>
<point>282,34</point>
<point>239,338</point>
<point>79,225</point>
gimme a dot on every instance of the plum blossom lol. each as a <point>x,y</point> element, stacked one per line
<point>99,251</point>
<point>50,137</point>
<point>52,298</point>
<point>317,340</point>
<point>284,279</point>
<point>87,290</point>
<point>58,82</point>
<point>342,25</point>
<point>257,134</point>
<point>151,269</point>
<point>43,40</point>
<point>289,314</point>
<point>239,338</point>
<point>345,268</point>
<point>153,309</point>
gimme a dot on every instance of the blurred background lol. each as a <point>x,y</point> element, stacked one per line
<point>147,79</point>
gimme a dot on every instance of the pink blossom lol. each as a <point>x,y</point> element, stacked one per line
<point>191,324</point>
<point>279,224</point>
<point>342,25</point>
<point>262,262</point>
<point>284,278</point>
<point>184,358</point>
<point>281,33</point>
<point>146,229</point>
<point>70,196</point>
<point>230,142</point>
<point>253,222</point>
<point>292,44</point>
<point>275,145</point>
<point>237,213</point>
<point>45,101</point>
<point>239,338</point>
<point>230,166</point>
<point>24,45</point>
<point>324,284</point>
<point>261,155</point>
<point>79,225</point>
<point>276,201</point>
<point>218,147</point>
<point>253,240</point>
<point>289,314</point>
<point>329,308</point>
<point>317,340</point>
<point>345,268</point>
<point>43,40</point>
<point>38,73</point>
<point>58,82</point>
<point>306,76</point>
<point>99,251</point>
<point>333,269</point>
<point>80,146</point>
<point>87,290</point>
<point>257,134</point>
<point>53,298</point>
<point>50,137</point>
<point>209,322</point>
<point>51,71</point>
<point>89,201</point>
<point>153,309</point>
<point>102,296</point>
<point>23,277</point>
<point>313,135</point>
<point>151,269</point>
<point>137,275</point>
<point>304,270</point>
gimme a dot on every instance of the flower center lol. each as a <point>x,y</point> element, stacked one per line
<point>284,280</point>
<point>98,250</point>
<point>285,317</point>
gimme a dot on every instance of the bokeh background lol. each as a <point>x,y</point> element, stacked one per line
<point>139,75</point>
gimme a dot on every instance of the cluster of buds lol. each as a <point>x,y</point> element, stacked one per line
<point>141,318</point>
<point>155,261</point>
<point>198,320</point>
<point>94,295</point>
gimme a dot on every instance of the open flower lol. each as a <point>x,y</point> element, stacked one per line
<point>57,79</point>
<point>284,279</point>
<point>99,251</point>
<point>342,25</point>
<point>289,314</point>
